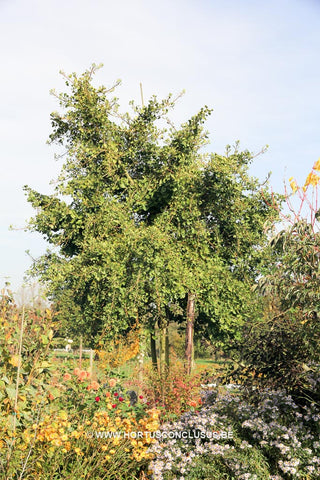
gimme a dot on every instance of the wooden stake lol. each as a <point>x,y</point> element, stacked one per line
<point>15,406</point>
<point>141,93</point>
<point>18,370</point>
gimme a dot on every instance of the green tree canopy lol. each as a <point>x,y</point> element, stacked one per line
<point>140,218</point>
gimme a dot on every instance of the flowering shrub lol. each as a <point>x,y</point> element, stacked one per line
<point>286,433</point>
<point>88,444</point>
<point>57,423</point>
<point>88,427</point>
<point>207,449</point>
<point>272,438</point>
<point>80,394</point>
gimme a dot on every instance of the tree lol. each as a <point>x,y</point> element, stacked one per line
<point>144,228</point>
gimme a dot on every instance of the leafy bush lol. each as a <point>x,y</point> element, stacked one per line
<point>276,351</point>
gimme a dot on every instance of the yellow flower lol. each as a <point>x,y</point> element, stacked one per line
<point>67,446</point>
<point>294,186</point>
<point>107,458</point>
<point>14,360</point>
<point>78,451</point>
<point>112,451</point>
<point>312,179</point>
<point>316,166</point>
<point>57,442</point>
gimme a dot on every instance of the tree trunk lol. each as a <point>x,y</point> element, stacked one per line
<point>153,350</point>
<point>167,353</point>
<point>189,332</point>
<point>162,347</point>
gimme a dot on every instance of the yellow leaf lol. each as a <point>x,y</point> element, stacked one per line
<point>14,360</point>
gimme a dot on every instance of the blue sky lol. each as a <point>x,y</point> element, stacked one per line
<point>257,64</point>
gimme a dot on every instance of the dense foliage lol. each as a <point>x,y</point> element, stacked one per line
<point>140,220</point>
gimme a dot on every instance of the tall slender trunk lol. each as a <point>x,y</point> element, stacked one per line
<point>162,357</point>
<point>153,350</point>
<point>189,355</point>
<point>142,342</point>
<point>167,353</point>
<point>162,346</point>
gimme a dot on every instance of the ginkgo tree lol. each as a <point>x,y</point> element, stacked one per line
<point>144,227</point>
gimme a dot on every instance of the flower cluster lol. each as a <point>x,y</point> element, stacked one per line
<point>312,179</point>
<point>179,455</point>
<point>58,431</point>
<point>273,438</point>
<point>284,432</point>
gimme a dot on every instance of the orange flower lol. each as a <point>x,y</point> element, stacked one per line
<point>66,377</point>
<point>76,371</point>
<point>108,394</point>
<point>88,374</point>
<point>93,386</point>
<point>112,382</point>
<point>192,403</point>
<point>82,375</point>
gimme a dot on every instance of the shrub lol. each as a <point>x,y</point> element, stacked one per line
<point>175,392</point>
